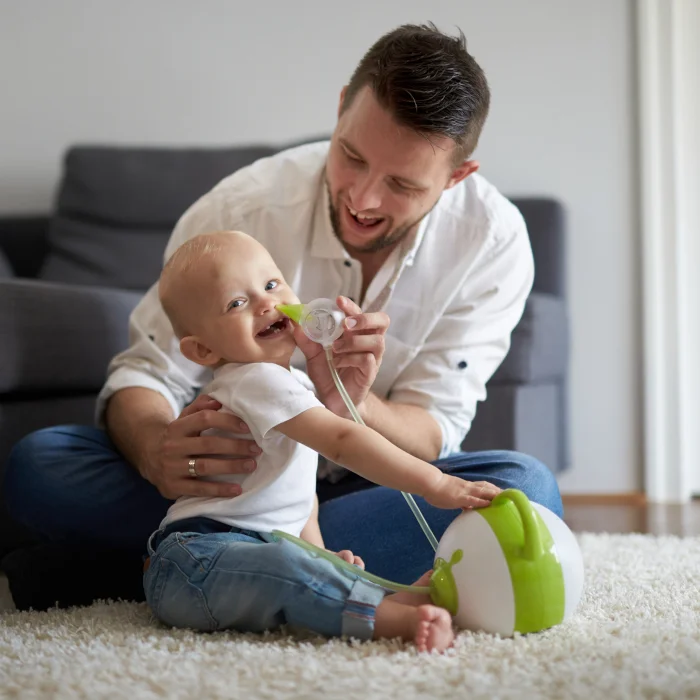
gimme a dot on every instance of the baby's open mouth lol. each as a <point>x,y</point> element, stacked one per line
<point>274,328</point>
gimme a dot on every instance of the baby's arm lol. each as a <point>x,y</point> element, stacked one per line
<point>367,453</point>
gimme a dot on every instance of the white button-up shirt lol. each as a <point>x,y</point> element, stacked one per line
<point>453,292</point>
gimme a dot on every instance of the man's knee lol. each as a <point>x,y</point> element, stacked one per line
<point>539,480</point>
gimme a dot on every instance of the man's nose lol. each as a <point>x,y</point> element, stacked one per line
<point>365,194</point>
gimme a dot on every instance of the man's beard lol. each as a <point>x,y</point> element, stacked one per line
<point>386,240</point>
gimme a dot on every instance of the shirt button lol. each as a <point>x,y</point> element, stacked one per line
<point>462,365</point>
<point>347,263</point>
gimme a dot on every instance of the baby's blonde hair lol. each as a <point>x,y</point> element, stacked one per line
<point>174,277</point>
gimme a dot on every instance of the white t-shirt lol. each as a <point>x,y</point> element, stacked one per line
<point>279,494</point>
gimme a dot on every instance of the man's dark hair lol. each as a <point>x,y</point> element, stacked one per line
<point>428,81</point>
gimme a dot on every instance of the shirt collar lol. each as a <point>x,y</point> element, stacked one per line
<point>418,238</point>
<point>324,242</point>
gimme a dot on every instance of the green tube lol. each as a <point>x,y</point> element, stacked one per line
<point>358,419</point>
<point>341,563</point>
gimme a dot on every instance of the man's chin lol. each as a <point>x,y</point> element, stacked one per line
<point>369,244</point>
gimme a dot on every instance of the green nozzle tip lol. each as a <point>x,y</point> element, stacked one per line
<point>294,311</point>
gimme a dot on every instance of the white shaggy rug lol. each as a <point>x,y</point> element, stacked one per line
<point>636,635</point>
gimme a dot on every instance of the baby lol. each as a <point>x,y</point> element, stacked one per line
<point>213,563</point>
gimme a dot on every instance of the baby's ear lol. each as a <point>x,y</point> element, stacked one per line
<point>196,351</point>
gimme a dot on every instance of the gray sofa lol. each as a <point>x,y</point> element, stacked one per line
<point>68,281</point>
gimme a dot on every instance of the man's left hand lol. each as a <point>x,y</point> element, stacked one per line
<point>357,355</point>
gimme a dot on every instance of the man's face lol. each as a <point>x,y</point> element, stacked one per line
<point>383,178</point>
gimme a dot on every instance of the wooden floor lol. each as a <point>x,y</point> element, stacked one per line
<point>649,518</point>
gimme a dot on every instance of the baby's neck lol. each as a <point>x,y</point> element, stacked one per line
<point>286,363</point>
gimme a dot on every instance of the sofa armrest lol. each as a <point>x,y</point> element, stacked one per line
<point>539,350</point>
<point>58,337</point>
<point>6,269</point>
<point>24,241</point>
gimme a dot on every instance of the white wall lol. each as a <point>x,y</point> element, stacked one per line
<point>221,71</point>
<point>689,116</point>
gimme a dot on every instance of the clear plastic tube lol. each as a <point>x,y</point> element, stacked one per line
<point>337,561</point>
<point>358,419</point>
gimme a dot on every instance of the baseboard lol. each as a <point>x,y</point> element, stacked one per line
<point>634,498</point>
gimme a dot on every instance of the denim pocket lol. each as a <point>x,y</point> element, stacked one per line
<point>172,594</point>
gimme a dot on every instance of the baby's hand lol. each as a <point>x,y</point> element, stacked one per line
<point>349,557</point>
<point>452,492</point>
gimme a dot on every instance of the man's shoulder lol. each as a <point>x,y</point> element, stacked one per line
<point>481,203</point>
<point>279,179</point>
<point>284,180</point>
<point>476,212</point>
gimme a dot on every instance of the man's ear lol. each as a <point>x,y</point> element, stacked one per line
<point>196,351</point>
<point>342,100</point>
<point>463,170</point>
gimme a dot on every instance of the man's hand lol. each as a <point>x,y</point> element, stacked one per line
<point>452,492</point>
<point>357,355</point>
<point>349,557</point>
<point>167,462</point>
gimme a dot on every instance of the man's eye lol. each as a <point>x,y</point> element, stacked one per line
<point>350,156</point>
<point>401,186</point>
<point>271,285</point>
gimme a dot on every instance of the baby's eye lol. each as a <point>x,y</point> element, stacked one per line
<point>271,285</point>
<point>235,304</point>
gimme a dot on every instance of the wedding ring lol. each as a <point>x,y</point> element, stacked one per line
<point>192,468</point>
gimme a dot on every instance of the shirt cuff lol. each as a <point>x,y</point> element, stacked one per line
<point>451,436</point>
<point>124,378</point>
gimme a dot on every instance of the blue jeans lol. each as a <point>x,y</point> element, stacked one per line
<point>70,483</point>
<point>237,579</point>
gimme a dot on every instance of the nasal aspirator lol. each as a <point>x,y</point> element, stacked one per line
<point>513,566</point>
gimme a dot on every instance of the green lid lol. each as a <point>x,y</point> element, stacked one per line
<point>535,571</point>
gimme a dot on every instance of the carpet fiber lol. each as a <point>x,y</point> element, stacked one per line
<point>636,635</point>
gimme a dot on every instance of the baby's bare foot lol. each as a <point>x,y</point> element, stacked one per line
<point>433,629</point>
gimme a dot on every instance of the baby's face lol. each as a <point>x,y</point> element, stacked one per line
<point>236,295</point>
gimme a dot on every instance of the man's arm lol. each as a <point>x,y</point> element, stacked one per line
<point>431,404</point>
<point>134,418</point>
<point>140,423</point>
<point>409,427</point>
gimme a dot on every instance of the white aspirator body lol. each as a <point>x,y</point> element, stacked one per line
<point>518,567</point>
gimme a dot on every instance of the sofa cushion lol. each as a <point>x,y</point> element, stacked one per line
<point>60,337</point>
<point>527,418</point>
<point>5,267</point>
<point>539,349</point>
<point>546,223</point>
<point>117,207</point>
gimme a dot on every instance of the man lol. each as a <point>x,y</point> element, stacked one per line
<point>392,216</point>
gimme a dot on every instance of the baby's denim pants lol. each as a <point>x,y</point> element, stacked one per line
<point>208,576</point>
